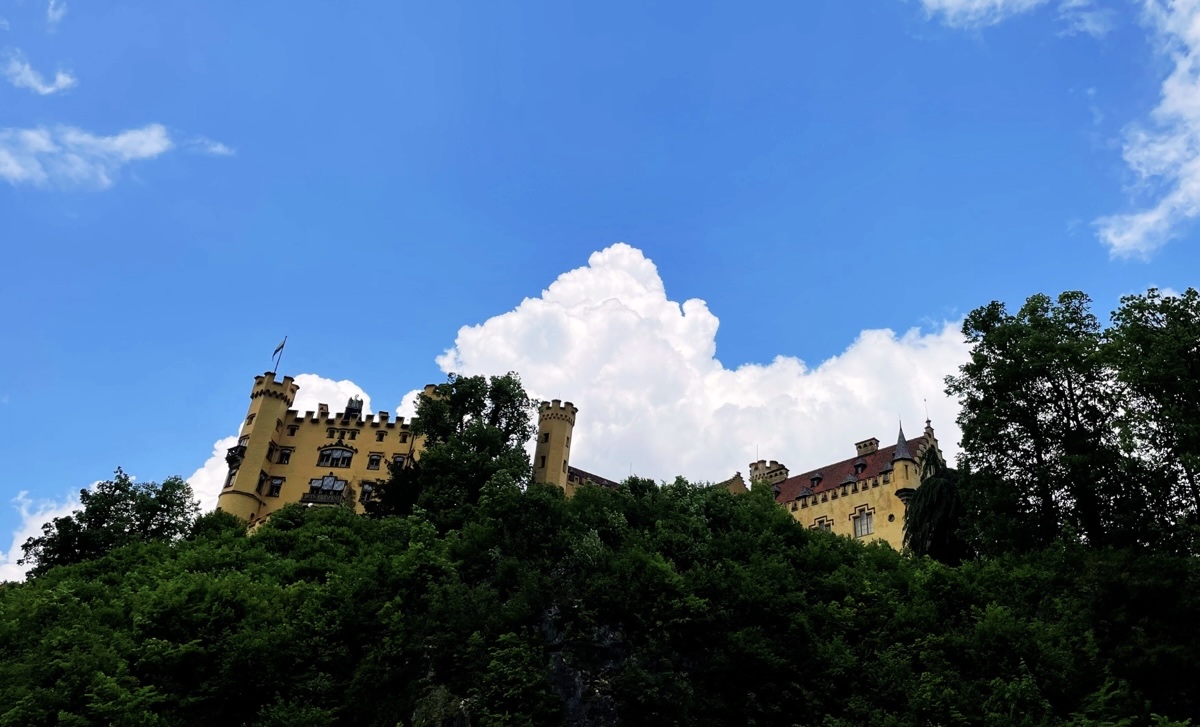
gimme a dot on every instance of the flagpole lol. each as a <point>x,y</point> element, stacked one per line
<point>280,356</point>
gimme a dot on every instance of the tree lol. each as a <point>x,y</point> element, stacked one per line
<point>1154,345</point>
<point>934,515</point>
<point>114,513</point>
<point>475,429</point>
<point>1037,405</point>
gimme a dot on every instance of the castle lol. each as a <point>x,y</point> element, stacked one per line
<point>322,458</point>
<point>863,496</point>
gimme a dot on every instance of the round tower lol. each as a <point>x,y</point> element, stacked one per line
<point>551,457</point>
<point>249,460</point>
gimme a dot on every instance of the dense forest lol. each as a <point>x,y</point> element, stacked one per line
<point>1050,577</point>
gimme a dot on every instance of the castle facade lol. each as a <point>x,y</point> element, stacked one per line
<point>863,496</point>
<point>335,458</point>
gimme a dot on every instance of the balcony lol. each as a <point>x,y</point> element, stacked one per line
<point>323,498</point>
<point>235,455</point>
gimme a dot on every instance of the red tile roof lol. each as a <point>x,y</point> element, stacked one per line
<point>832,476</point>
<point>577,475</point>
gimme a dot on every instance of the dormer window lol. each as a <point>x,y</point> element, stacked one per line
<point>816,480</point>
<point>860,465</point>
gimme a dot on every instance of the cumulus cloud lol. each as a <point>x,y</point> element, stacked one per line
<point>204,145</point>
<point>654,398</point>
<point>55,12</point>
<point>208,480</point>
<point>1165,151</point>
<point>68,156</point>
<point>34,513</point>
<point>22,75</point>
<point>977,13</point>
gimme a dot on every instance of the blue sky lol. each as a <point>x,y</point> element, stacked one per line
<point>181,185</point>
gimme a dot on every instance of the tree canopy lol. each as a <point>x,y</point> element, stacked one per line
<point>113,513</point>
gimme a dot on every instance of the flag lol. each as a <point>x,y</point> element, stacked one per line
<point>279,348</point>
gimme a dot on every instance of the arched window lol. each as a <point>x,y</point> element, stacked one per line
<point>335,457</point>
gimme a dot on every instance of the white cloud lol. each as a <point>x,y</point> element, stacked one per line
<point>204,145</point>
<point>34,513</point>
<point>643,371</point>
<point>977,13</point>
<point>1167,151</point>
<point>3,24</point>
<point>67,156</point>
<point>209,479</point>
<point>55,12</point>
<point>1082,16</point>
<point>22,75</point>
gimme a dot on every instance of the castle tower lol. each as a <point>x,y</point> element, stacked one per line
<point>556,420</point>
<point>250,458</point>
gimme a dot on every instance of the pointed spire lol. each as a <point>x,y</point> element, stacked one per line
<point>902,447</point>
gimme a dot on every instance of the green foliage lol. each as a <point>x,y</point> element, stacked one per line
<point>934,516</point>
<point>113,513</point>
<point>1079,433</point>
<point>475,430</point>
<point>672,604</point>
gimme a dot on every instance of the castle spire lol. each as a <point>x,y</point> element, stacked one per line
<point>902,447</point>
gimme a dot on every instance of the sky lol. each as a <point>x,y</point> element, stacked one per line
<point>724,232</point>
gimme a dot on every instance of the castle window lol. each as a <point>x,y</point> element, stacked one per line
<point>542,462</point>
<point>292,430</point>
<point>285,455</point>
<point>373,461</point>
<point>564,465</point>
<point>270,451</point>
<point>335,457</point>
<point>354,434</point>
<point>823,524</point>
<point>403,437</point>
<point>795,506</point>
<point>329,433</point>
<point>545,437</point>
<point>231,477</point>
<point>568,442</point>
<point>379,436</point>
<point>262,478</point>
<point>886,478</point>
<point>276,486</point>
<point>250,419</point>
<point>864,524</point>
<point>243,441</point>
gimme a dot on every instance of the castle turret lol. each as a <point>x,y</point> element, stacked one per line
<point>556,421</point>
<point>770,472</point>
<point>250,459</point>
<point>907,471</point>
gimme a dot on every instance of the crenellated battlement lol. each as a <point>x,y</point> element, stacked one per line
<point>324,418</point>
<point>558,409</point>
<point>772,472</point>
<point>266,385</point>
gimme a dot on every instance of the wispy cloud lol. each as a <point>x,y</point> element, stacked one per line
<point>66,156</point>
<point>204,145</point>
<point>1083,17</point>
<point>1166,151</point>
<point>55,12</point>
<point>977,13</point>
<point>3,24</point>
<point>22,75</point>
